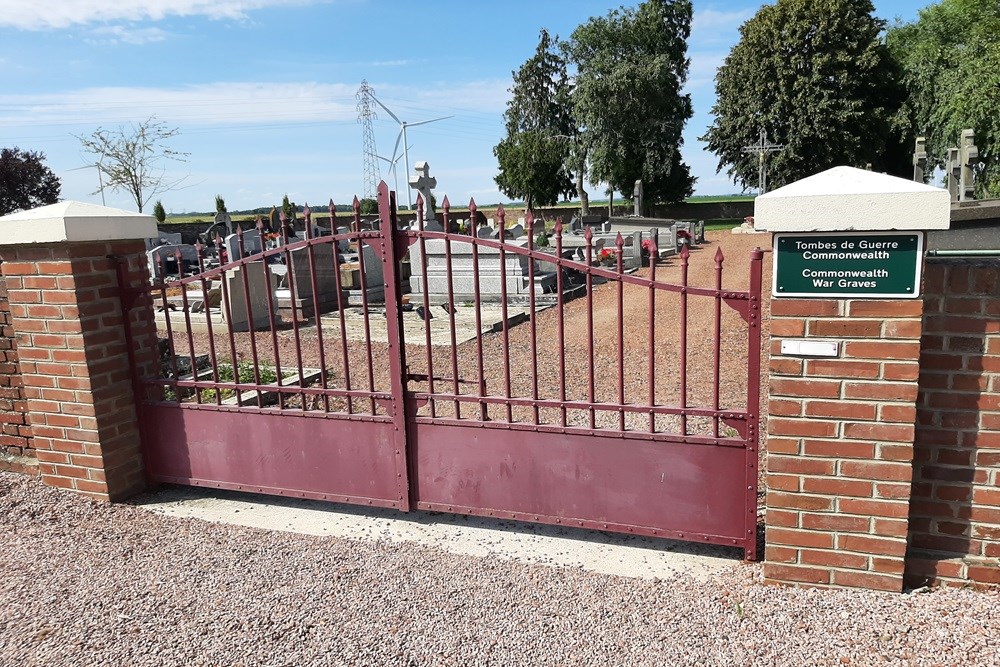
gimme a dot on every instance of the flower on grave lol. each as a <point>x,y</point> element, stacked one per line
<point>607,256</point>
<point>683,234</point>
<point>649,245</point>
<point>748,221</point>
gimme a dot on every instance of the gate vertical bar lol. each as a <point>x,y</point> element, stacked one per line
<point>397,347</point>
<point>753,400</point>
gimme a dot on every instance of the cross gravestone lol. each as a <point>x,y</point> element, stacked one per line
<point>423,183</point>
<point>637,197</point>
<point>968,156</point>
<point>920,159</point>
<point>953,169</point>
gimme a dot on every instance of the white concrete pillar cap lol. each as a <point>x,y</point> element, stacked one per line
<point>74,222</point>
<point>847,199</point>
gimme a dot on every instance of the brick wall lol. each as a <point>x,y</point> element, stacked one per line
<point>16,450</point>
<point>955,509</point>
<point>840,443</point>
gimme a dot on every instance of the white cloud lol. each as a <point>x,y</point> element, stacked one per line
<point>56,14</point>
<point>234,103</point>
<point>710,26</point>
<point>119,34</point>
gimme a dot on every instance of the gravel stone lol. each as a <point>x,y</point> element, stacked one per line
<point>89,583</point>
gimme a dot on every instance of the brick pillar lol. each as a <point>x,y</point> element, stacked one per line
<point>74,363</point>
<point>842,403</point>
<point>840,442</point>
<point>64,297</point>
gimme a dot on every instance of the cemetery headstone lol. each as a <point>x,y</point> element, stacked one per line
<point>968,157</point>
<point>423,183</point>
<point>920,159</point>
<point>637,197</point>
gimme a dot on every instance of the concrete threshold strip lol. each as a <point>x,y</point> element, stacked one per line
<point>556,546</point>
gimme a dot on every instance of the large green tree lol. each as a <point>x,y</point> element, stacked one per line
<point>817,77</point>
<point>534,154</point>
<point>631,67</point>
<point>950,57</point>
<point>25,181</point>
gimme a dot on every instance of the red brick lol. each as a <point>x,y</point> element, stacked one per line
<point>842,368</point>
<point>846,328</point>
<point>787,327</point>
<point>835,522</point>
<point>882,350</point>
<point>805,388</point>
<point>984,574</point>
<point>837,487</point>
<point>900,371</point>
<point>839,449</point>
<point>885,308</point>
<point>834,559</point>
<point>784,407</point>
<point>783,482</point>
<point>875,431</point>
<point>796,573</point>
<point>782,445</point>
<point>907,329</point>
<point>801,427</point>
<point>904,414</point>
<point>892,491</point>
<point>791,537</point>
<point>805,307</point>
<point>796,501</point>
<point>782,518</point>
<point>785,366</point>
<point>881,391</point>
<point>773,554</point>
<point>799,466</point>
<point>843,409</point>
<point>878,508</point>
<point>869,580</point>
<point>891,527</point>
<point>875,546</point>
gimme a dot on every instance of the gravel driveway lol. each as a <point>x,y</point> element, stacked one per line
<point>86,583</point>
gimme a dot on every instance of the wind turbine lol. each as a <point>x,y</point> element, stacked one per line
<point>392,165</point>
<point>402,135</point>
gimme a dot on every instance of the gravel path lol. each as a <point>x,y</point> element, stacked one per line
<point>85,583</point>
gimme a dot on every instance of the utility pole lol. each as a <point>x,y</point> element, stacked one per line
<point>763,148</point>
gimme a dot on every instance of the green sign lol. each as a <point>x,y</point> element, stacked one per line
<point>848,264</point>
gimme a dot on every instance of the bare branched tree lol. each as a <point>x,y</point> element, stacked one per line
<point>132,156</point>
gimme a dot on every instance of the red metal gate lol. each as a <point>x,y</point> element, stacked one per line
<point>533,406</point>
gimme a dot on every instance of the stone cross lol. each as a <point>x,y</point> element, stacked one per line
<point>637,197</point>
<point>953,169</point>
<point>223,218</point>
<point>423,183</point>
<point>968,156</point>
<point>919,159</point>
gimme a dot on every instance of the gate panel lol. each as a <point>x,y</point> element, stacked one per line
<point>686,491</point>
<point>328,459</point>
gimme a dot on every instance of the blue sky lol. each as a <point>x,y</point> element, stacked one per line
<point>263,91</point>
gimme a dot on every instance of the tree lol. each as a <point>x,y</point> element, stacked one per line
<point>627,100</point>
<point>287,207</point>
<point>534,154</point>
<point>950,59</point>
<point>158,212</point>
<point>25,181</point>
<point>220,204</point>
<point>815,75</point>
<point>132,157</point>
<point>369,206</point>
